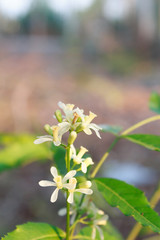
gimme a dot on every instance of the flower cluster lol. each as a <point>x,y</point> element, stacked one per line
<point>61,183</point>
<point>73,120</point>
<point>95,217</point>
<point>98,219</point>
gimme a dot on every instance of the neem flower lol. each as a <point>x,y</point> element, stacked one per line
<point>58,132</point>
<point>70,118</point>
<point>58,182</point>
<point>98,219</point>
<point>73,120</point>
<point>102,221</point>
<point>72,189</point>
<point>87,125</point>
<point>77,158</point>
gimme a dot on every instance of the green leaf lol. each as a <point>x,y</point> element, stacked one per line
<point>130,200</point>
<point>154,102</point>
<point>19,150</point>
<point>35,231</point>
<point>110,128</point>
<point>59,160</point>
<point>151,142</point>
<point>108,233</point>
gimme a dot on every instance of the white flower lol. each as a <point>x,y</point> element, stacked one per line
<point>77,158</point>
<point>42,139</point>
<point>70,118</point>
<point>87,162</point>
<point>58,182</point>
<point>102,221</point>
<point>68,110</point>
<point>88,125</point>
<point>58,132</point>
<point>72,189</point>
<point>99,219</point>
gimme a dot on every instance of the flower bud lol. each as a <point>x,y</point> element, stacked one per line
<point>72,137</point>
<point>58,115</point>
<point>86,184</point>
<point>48,129</point>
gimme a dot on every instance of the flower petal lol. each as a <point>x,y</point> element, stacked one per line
<point>45,183</point>
<point>69,175</point>
<point>43,139</point>
<point>73,151</point>
<point>70,198</point>
<point>102,221</point>
<point>96,128</point>
<point>100,232</point>
<point>57,143</point>
<point>93,232</point>
<point>80,113</point>
<point>64,127</point>
<point>53,171</point>
<point>54,195</point>
<point>62,212</point>
<point>69,186</point>
<point>84,190</point>
<point>45,136</point>
<point>73,217</point>
<point>84,167</point>
<point>87,131</point>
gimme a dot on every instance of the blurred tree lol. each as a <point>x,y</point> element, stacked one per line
<point>41,20</point>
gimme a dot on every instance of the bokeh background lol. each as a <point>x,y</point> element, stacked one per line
<point>101,55</point>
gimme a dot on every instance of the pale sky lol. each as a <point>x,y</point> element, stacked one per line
<point>14,8</point>
<point>114,9</point>
<point>117,9</point>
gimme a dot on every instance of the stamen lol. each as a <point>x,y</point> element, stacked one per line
<point>76,116</point>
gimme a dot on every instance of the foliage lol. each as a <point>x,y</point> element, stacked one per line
<point>73,176</point>
<point>151,142</point>
<point>154,102</point>
<point>130,200</point>
<point>33,231</point>
<point>108,233</point>
<point>19,150</point>
<point>111,128</point>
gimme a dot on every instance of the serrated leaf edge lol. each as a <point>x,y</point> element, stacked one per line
<point>150,224</point>
<point>50,235</point>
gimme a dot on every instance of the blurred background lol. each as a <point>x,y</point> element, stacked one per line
<point>101,55</point>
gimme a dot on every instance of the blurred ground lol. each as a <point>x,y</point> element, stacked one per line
<point>36,73</point>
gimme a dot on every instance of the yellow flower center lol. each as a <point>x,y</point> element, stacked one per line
<point>58,181</point>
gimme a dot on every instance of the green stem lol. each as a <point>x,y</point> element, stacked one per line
<point>68,205</point>
<point>104,157</point>
<point>137,228</point>
<point>139,124</point>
